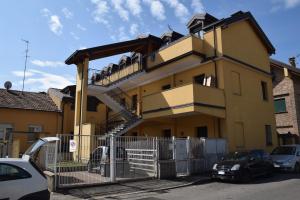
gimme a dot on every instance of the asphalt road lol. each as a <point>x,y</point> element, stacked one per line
<point>278,187</point>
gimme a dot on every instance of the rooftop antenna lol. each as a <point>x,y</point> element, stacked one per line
<point>170,28</point>
<point>25,65</point>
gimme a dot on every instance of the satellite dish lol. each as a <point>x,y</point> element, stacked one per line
<point>7,85</point>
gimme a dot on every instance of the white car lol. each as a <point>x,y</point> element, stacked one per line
<point>21,178</point>
<point>287,158</point>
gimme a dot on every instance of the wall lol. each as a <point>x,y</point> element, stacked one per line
<point>241,42</point>
<point>21,119</point>
<point>247,111</point>
<point>181,126</point>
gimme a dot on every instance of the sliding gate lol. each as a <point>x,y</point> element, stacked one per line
<point>88,160</point>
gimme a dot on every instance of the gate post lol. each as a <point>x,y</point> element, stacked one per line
<point>188,151</point>
<point>174,148</point>
<point>56,178</point>
<point>112,158</point>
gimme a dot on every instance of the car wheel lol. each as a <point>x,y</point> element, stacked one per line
<point>297,168</point>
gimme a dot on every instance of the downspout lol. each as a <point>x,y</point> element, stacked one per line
<point>63,116</point>
<point>216,75</point>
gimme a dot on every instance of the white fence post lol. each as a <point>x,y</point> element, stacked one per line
<point>174,147</point>
<point>188,149</point>
<point>56,179</point>
<point>113,158</point>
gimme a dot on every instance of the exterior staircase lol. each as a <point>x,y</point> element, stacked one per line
<point>113,97</point>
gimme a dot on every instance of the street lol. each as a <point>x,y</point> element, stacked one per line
<point>278,187</point>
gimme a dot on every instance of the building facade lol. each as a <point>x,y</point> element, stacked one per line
<point>286,92</point>
<point>24,117</point>
<point>214,82</point>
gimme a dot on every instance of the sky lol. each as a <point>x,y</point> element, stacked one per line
<point>56,28</point>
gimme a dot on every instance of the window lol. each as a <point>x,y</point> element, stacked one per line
<point>5,129</point>
<point>134,102</point>
<point>264,90</point>
<point>92,104</point>
<point>268,130</point>
<point>32,130</point>
<point>167,133</point>
<point>11,172</point>
<point>166,87</point>
<point>202,132</point>
<point>280,105</point>
<point>236,83</point>
<point>199,79</point>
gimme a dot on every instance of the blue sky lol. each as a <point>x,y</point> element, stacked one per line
<point>57,28</point>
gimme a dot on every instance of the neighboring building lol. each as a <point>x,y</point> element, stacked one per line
<point>24,117</point>
<point>214,82</point>
<point>65,101</point>
<point>286,92</point>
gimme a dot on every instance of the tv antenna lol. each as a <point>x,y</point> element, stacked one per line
<point>170,28</point>
<point>25,65</point>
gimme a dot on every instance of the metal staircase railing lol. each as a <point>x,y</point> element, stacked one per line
<point>120,121</point>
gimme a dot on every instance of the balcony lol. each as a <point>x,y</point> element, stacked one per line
<point>190,98</point>
<point>189,46</point>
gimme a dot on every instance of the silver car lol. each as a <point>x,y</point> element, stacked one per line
<point>287,158</point>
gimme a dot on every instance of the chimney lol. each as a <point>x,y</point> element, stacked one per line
<point>292,61</point>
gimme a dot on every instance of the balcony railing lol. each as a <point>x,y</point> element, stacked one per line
<point>184,99</point>
<point>176,50</point>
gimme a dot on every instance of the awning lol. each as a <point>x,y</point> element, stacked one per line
<point>140,45</point>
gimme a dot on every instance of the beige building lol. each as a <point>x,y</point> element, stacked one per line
<point>214,82</point>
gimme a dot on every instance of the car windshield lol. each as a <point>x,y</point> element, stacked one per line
<point>237,156</point>
<point>284,151</point>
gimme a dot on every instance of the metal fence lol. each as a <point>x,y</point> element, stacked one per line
<point>89,160</point>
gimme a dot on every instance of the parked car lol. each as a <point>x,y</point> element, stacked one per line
<point>287,158</point>
<point>243,166</point>
<point>21,178</point>
<point>99,161</point>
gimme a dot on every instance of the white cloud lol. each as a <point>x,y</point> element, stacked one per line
<point>80,27</point>
<point>45,12</point>
<point>180,10</point>
<point>43,80</point>
<point>99,14</point>
<point>134,29</point>
<point>21,73</point>
<point>291,3</point>
<point>67,13</point>
<point>122,35</point>
<point>38,80</point>
<point>157,9</point>
<point>74,36</point>
<point>82,47</point>
<point>134,6</point>
<point>47,63</point>
<point>198,6</point>
<point>122,12</point>
<point>55,25</point>
<point>53,21</point>
<point>284,4</point>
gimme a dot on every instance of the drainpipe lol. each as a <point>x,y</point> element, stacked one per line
<point>216,76</point>
<point>215,55</point>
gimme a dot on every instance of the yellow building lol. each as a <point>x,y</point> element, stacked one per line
<point>24,117</point>
<point>214,82</point>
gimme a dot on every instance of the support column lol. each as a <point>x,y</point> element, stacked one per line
<point>81,95</point>
<point>80,104</point>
